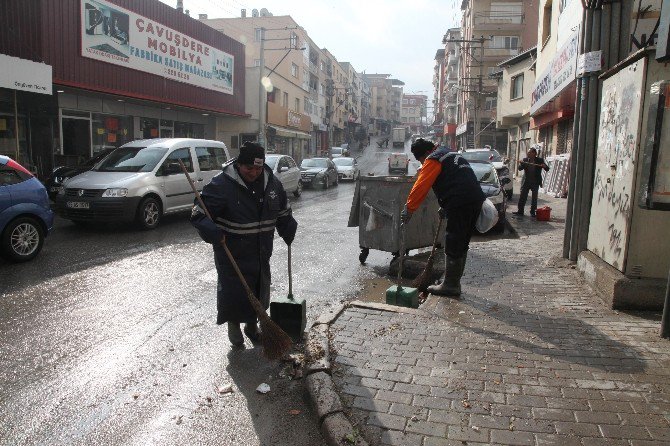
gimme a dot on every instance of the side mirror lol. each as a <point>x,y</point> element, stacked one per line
<point>171,169</point>
<point>283,169</point>
<point>505,181</point>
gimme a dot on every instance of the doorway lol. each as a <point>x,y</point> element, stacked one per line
<point>76,140</point>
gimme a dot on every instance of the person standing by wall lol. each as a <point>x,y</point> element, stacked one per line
<point>247,203</point>
<point>532,180</point>
<point>457,189</point>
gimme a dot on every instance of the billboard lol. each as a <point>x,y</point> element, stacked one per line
<point>115,35</point>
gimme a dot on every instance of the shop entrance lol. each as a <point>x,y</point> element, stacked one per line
<point>76,140</point>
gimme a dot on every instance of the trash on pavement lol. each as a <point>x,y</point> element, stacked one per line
<point>263,388</point>
<point>228,388</point>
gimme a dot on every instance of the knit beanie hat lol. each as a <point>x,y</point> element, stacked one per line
<point>251,153</point>
<point>421,147</point>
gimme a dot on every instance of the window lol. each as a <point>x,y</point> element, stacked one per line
<point>491,103</point>
<point>8,176</point>
<point>180,154</point>
<point>297,105</point>
<point>517,87</point>
<point>294,70</point>
<point>546,23</point>
<point>505,42</point>
<point>210,158</point>
<point>294,40</point>
<point>258,34</point>
<point>285,100</point>
<point>257,62</point>
<point>306,106</point>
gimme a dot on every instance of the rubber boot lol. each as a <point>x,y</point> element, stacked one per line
<point>235,334</point>
<point>252,332</point>
<point>451,284</point>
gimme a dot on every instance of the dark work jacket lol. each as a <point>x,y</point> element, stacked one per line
<point>249,236</point>
<point>538,172</point>
<point>457,184</point>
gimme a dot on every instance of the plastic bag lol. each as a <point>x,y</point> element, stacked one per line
<point>488,217</point>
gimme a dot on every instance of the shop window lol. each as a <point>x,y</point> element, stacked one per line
<point>149,128</point>
<point>188,130</point>
<point>110,131</point>
<point>210,158</point>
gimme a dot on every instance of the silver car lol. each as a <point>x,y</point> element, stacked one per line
<point>347,168</point>
<point>285,168</point>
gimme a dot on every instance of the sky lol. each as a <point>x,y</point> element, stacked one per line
<point>396,37</point>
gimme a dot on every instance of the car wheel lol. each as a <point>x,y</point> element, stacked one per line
<point>149,213</point>
<point>298,191</point>
<point>326,182</point>
<point>22,240</point>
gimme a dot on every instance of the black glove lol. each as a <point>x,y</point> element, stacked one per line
<point>289,239</point>
<point>405,216</point>
<point>442,212</point>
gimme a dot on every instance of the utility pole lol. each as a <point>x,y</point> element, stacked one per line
<point>262,94</point>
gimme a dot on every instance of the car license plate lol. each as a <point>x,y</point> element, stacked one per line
<point>77,204</point>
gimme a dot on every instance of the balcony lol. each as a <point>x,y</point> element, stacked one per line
<point>498,20</point>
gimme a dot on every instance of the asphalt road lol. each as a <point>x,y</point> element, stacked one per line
<point>108,336</point>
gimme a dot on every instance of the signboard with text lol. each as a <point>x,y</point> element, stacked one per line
<point>115,35</point>
<point>558,75</point>
<point>25,75</point>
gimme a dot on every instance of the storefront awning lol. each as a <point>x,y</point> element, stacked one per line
<point>290,133</point>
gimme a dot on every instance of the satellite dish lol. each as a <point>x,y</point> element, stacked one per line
<point>265,12</point>
<point>254,13</point>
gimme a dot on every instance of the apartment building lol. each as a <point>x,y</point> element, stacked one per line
<point>439,73</point>
<point>449,98</point>
<point>286,96</point>
<point>492,31</point>
<point>385,99</point>
<point>413,111</point>
<point>357,106</point>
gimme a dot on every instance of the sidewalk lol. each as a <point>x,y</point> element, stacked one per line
<point>528,356</point>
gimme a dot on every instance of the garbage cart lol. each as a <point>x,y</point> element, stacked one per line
<point>376,207</point>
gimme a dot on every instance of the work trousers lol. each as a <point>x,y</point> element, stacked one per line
<point>523,197</point>
<point>460,225</point>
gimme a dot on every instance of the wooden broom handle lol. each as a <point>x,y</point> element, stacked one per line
<point>223,240</point>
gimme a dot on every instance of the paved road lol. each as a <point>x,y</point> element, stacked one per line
<point>108,336</point>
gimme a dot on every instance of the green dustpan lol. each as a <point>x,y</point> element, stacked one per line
<point>288,312</point>
<point>398,295</point>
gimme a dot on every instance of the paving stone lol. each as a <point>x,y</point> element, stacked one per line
<point>370,404</point>
<point>398,438</point>
<point>377,383</point>
<point>352,389</point>
<point>649,420</point>
<point>553,414</point>
<point>387,421</point>
<point>409,411</point>
<point>427,428</point>
<point>468,434</point>
<point>448,417</point>
<point>512,438</point>
<point>394,397</point>
<point>579,429</point>
<point>558,440</point>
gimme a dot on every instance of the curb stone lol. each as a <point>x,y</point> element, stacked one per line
<point>334,424</point>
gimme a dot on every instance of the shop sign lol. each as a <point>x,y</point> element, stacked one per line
<point>293,119</point>
<point>25,75</point>
<point>560,73</point>
<point>115,35</point>
<point>461,129</point>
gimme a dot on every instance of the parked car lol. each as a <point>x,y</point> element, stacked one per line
<point>318,171</point>
<point>336,152</point>
<point>500,163</point>
<point>399,163</point>
<point>493,157</point>
<point>347,168</point>
<point>141,181</point>
<point>25,215</point>
<point>492,187</point>
<point>285,168</point>
<point>62,173</point>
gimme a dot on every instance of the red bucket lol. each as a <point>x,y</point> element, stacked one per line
<point>543,214</point>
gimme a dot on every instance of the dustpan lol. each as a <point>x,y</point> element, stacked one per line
<point>288,312</point>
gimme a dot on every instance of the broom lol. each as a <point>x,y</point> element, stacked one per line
<point>275,341</point>
<point>424,279</point>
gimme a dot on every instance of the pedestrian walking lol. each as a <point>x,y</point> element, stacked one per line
<point>247,203</point>
<point>532,180</point>
<point>460,197</point>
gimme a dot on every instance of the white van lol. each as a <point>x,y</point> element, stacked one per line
<point>141,181</point>
<point>398,163</point>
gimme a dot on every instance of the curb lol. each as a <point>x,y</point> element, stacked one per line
<point>333,422</point>
<point>514,225</point>
<point>336,428</point>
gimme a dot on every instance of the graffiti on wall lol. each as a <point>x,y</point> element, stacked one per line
<point>618,138</point>
<point>644,23</point>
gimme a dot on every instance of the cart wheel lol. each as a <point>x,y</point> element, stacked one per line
<point>363,255</point>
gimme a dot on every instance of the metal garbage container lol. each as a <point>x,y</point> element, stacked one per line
<point>376,207</point>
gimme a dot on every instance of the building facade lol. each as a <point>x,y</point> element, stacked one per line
<point>492,31</point>
<point>450,95</point>
<point>413,112</point>
<point>115,77</point>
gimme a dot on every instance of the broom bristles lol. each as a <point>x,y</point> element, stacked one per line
<point>276,343</point>
<point>424,279</point>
